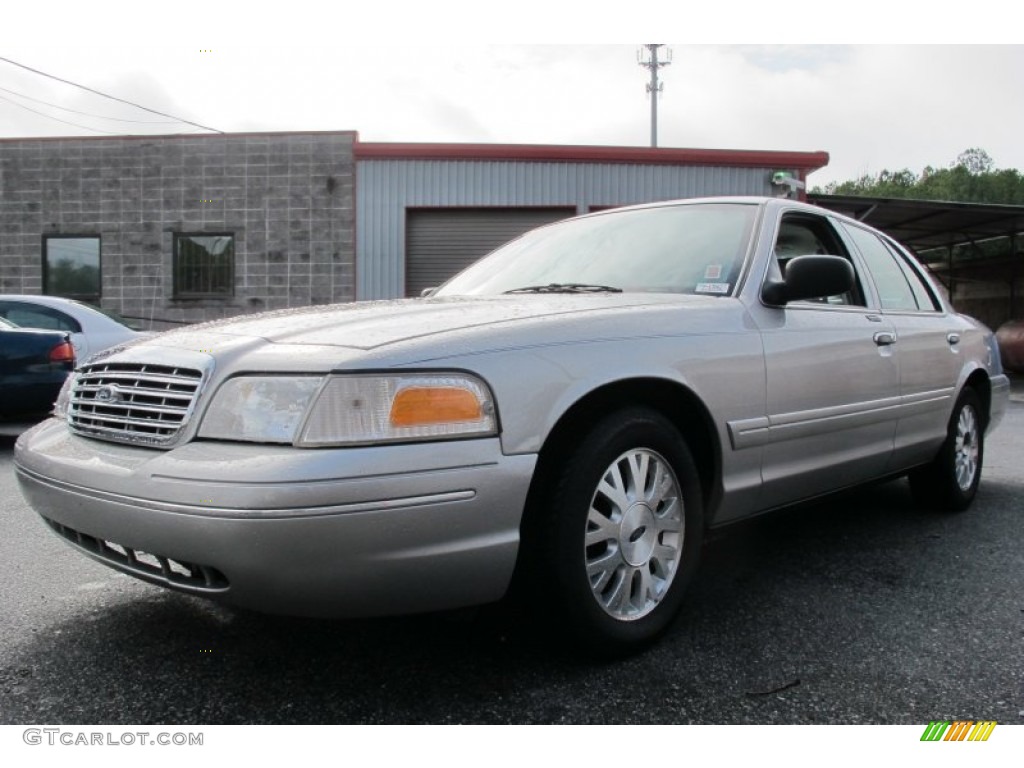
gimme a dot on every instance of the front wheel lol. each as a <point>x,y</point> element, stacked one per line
<point>621,531</point>
<point>951,481</point>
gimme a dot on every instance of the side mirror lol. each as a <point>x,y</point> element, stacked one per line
<point>428,292</point>
<point>810,277</point>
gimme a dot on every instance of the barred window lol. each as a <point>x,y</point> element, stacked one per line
<point>71,267</point>
<point>204,266</point>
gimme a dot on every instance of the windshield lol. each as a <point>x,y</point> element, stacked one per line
<point>696,248</point>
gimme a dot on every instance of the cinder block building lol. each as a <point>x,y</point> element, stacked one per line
<point>185,228</point>
<point>180,228</point>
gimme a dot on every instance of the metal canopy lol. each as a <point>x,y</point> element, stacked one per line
<point>924,224</point>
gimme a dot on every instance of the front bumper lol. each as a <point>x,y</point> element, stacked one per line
<point>327,532</point>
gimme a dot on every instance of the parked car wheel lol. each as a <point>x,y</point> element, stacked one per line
<point>950,482</point>
<point>625,523</point>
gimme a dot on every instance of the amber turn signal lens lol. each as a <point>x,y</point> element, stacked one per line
<point>414,406</point>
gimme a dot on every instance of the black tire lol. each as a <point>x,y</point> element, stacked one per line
<point>611,562</point>
<point>950,481</point>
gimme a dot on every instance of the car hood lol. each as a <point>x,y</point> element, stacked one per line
<point>369,325</point>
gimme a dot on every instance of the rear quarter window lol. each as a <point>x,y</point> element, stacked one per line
<point>922,293</point>
<point>890,279</point>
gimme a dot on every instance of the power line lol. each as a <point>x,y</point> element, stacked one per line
<point>88,114</point>
<point>108,96</point>
<point>66,122</point>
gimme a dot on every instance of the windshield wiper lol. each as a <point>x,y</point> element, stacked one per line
<point>566,288</point>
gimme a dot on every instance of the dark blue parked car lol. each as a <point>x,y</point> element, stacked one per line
<point>33,367</point>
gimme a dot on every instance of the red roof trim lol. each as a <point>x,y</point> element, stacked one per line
<point>807,161</point>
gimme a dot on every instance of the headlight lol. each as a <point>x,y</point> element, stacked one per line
<point>350,410</point>
<point>264,409</point>
<point>391,408</point>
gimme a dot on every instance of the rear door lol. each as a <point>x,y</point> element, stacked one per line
<point>927,346</point>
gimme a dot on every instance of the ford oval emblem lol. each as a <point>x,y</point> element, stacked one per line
<point>108,394</point>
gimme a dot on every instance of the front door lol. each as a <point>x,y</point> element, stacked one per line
<point>832,395</point>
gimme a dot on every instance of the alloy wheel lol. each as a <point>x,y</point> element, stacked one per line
<point>634,534</point>
<point>965,456</point>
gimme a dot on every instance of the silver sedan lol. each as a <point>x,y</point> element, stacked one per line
<point>91,329</point>
<point>569,414</point>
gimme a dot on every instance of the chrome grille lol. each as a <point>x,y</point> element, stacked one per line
<point>129,402</point>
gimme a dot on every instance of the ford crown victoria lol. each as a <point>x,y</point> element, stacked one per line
<point>570,413</point>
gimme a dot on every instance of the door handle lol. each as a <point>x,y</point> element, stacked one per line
<point>885,338</point>
<point>953,338</point>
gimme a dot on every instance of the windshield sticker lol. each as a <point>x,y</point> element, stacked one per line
<point>712,287</point>
<point>713,272</point>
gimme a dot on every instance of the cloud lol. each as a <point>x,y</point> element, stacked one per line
<point>870,107</point>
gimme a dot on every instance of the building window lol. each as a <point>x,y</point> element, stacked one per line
<point>71,267</point>
<point>204,266</point>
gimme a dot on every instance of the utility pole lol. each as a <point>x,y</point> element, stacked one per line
<point>647,57</point>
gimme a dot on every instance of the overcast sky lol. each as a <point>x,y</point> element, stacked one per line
<point>869,106</point>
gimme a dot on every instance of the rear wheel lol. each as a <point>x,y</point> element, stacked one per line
<point>620,532</point>
<point>951,481</point>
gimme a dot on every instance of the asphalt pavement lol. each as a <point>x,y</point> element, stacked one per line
<point>859,609</point>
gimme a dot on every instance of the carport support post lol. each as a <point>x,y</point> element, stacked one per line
<point>949,276</point>
<point>1015,256</point>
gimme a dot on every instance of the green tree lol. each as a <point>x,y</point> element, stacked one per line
<point>971,178</point>
<point>975,160</point>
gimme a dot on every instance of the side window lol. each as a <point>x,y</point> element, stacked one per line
<point>807,235</point>
<point>924,297</point>
<point>894,289</point>
<point>45,318</point>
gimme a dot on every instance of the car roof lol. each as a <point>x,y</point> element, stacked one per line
<point>50,301</point>
<point>730,199</point>
<point>76,309</point>
<point>765,202</point>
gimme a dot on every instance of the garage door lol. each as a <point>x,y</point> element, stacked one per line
<point>440,242</point>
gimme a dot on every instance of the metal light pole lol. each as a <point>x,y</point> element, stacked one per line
<point>647,57</point>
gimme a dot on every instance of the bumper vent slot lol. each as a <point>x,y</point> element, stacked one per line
<point>166,570</point>
<point>135,403</point>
